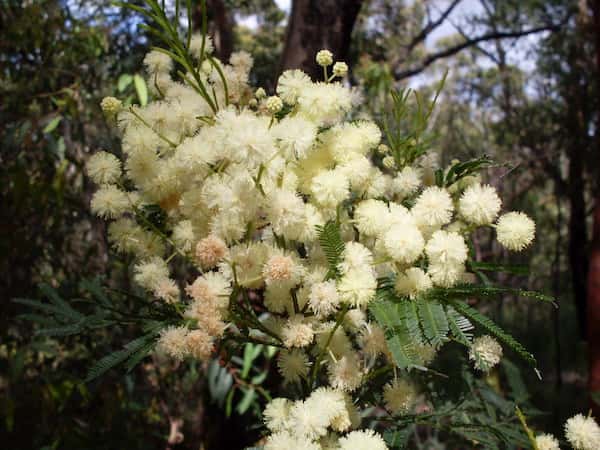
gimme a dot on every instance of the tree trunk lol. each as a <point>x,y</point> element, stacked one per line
<point>593,299</point>
<point>220,24</point>
<point>316,25</point>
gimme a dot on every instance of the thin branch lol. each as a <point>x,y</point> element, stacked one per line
<point>426,62</point>
<point>431,26</point>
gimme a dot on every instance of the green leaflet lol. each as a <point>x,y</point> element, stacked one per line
<point>113,359</point>
<point>464,291</point>
<point>433,321</point>
<point>460,326</point>
<point>332,244</point>
<point>397,335</point>
<point>493,329</point>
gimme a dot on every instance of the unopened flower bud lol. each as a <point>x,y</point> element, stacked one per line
<point>389,162</point>
<point>110,105</point>
<point>260,93</point>
<point>383,149</point>
<point>274,104</point>
<point>340,69</point>
<point>253,103</point>
<point>324,58</point>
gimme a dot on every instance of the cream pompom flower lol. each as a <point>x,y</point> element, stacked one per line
<point>290,84</point>
<point>357,287</point>
<point>407,182</point>
<point>485,352</point>
<point>150,272</point>
<point>297,332</point>
<point>362,440</point>
<point>446,247</point>
<point>286,440</point>
<point>433,208</point>
<point>172,341</point>
<point>515,231</point>
<point>345,373</point>
<point>479,204</point>
<point>276,414</point>
<point>582,432</point>
<point>110,202</point>
<point>104,168</point>
<point>183,235</point>
<point>546,442</point>
<point>404,243</point>
<point>199,344</point>
<point>329,188</point>
<point>355,257</point>
<point>158,62</point>
<point>399,396</point>
<point>323,298</point>
<point>210,251</point>
<point>412,282</point>
<point>370,217</point>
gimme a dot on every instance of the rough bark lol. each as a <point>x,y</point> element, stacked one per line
<point>593,286</point>
<point>316,25</point>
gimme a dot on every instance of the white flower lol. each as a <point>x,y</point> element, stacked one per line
<point>286,212</point>
<point>196,45</point>
<point>283,440</point>
<point>407,182</point>
<point>158,62</point>
<point>308,422</point>
<point>357,287</point>
<point>283,270</point>
<point>323,298</point>
<point>515,231</point>
<point>293,365</point>
<point>446,247</point>
<point>324,103</point>
<point>399,396</point>
<point>297,332</point>
<point>104,168</point>
<point>276,414</point>
<point>404,243</point>
<point>324,58</point>
<point>433,207</point>
<point>355,257</point>
<point>485,352</point>
<point>329,188</point>
<point>149,273</point>
<point>199,344</point>
<point>479,204</point>
<point>172,341</point>
<point>295,136</point>
<point>110,202</point>
<point>446,274</point>
<point>362,440</point>
<point>210,251</point>
<point>583,432</point>
<point>370,217</point>
<point>412,282</point>
<point>345,373</point>
<point>546,442</point>
<point>183,235</point>
<point>290,84</point>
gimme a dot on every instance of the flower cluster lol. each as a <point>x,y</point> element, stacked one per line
<point>582,432</point>
<point>243,192</point>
